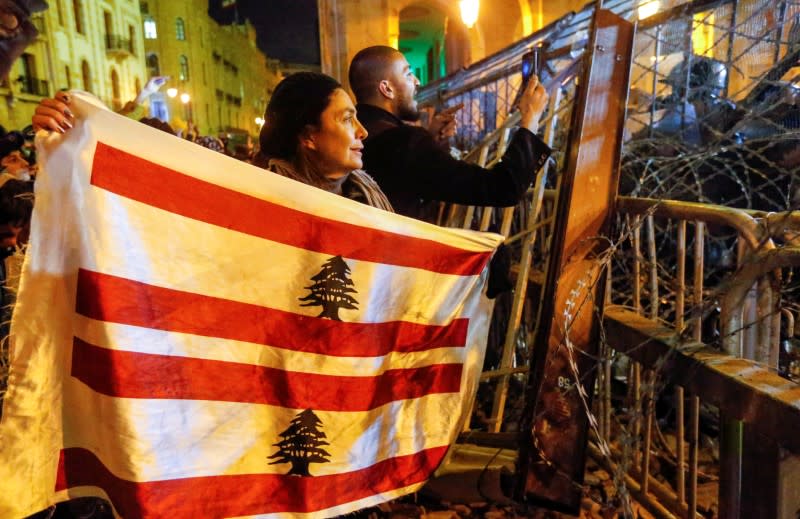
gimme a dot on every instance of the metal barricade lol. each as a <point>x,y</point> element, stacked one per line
<point>701,298</point>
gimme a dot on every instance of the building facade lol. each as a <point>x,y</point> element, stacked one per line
<point>218,78</point>
<point>429,32</point>
<point>91,45</point>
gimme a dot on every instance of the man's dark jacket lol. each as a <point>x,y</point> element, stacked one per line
<point>412,168</point>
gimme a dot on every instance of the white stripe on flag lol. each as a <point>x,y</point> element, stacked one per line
<point>232,265</point>
<point>170,439</point>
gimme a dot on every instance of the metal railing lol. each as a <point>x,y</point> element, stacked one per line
<point>116,43</point>
<point>698,310</point>
<point>664,341</point>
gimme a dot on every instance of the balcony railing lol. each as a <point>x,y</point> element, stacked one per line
<point>117,44</point>
<point>34,85</point>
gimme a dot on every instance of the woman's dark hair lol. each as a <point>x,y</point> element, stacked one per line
<point>297,102</point>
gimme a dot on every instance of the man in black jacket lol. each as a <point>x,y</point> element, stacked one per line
<point>409,163</point>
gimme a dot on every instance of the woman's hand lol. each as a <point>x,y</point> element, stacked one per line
<point>54,114</point>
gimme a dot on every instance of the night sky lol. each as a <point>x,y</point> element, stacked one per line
<point>288,30</point>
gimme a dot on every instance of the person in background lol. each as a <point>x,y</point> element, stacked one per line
<point>14,164</point>
<point>411,165</point>
<point>211,142</point>
<point>16,205</point>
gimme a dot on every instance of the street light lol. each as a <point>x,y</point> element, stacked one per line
<point>259,122</point>
<point>172,92</point>
<point>648,8</point>
<point>185,98</point>
<point>469,12</point>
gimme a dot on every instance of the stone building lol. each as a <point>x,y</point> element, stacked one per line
<point>88,45</point>
<point>225,77</point>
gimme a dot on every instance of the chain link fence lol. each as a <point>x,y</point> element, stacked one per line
<point>713,120</point>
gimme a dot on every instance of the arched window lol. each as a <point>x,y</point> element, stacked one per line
<point>150,32</point>
<point>183,61</point>
<point>180,29</point>
<point>87,76</point>
<point>28,77</point>
<point>77,10</point>
<point>153,69</point>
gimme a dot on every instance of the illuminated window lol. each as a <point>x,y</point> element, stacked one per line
<point>183,61</point>
<point>150,32</point>
<point>180,29</point>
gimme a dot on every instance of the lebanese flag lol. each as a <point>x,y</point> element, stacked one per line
<point>196,337</point>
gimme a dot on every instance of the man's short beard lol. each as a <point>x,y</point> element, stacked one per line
<point>409,113</point>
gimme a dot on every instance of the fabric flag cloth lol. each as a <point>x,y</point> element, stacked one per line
<point>196,337</point>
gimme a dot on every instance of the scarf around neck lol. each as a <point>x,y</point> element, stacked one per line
<point>356,185</point>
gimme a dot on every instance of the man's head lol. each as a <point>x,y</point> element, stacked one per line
<point>381,76</point>
<point>16,165</point>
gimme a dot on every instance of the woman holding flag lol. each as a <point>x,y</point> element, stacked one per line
<point>311,135</point>
<point>191,326</point>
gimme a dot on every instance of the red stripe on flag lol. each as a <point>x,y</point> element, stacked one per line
<point>237,495</point>
<point>155,185</point>
<point>114,299</point>
<point>129,374</point>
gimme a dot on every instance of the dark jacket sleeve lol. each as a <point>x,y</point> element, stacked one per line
<point>423,170</point>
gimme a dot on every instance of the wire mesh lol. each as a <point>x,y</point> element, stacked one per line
<point>713,117</point>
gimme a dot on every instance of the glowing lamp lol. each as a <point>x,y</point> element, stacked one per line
<point>469,11</point>
<point>648,8</point>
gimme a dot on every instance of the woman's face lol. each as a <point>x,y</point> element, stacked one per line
<point>337,142</point>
